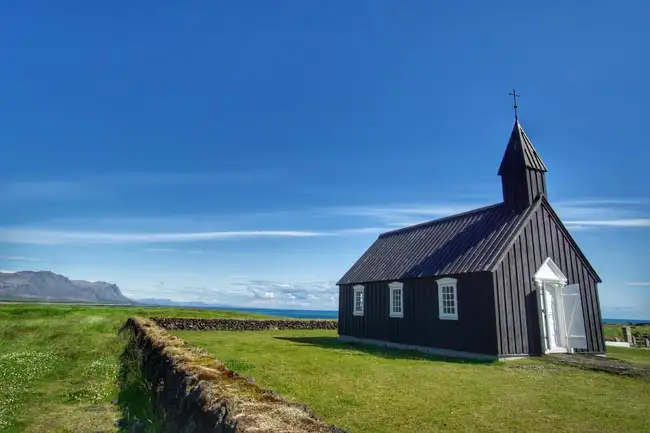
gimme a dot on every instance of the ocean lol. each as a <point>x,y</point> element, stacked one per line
<point>329,314</point>
<point>297,314</point>
<point>625,321</point>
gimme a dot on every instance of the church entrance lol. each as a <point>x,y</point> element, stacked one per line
<point>562,325</point>
<point>553,317</point>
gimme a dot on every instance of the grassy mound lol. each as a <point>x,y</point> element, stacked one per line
<point>192,390</point>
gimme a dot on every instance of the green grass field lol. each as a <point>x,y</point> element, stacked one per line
<point>59,365</point>
<point>639,356</point>
<point>613,331</point>
<point>373,390</point>
<point>617,330</point>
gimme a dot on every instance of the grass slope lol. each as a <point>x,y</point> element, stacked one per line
<point>639,356</point>
<point>617,330</point>
<point>369,389</point>
<point>613,331</point>
<point>59,365</point>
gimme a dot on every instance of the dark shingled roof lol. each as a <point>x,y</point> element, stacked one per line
<point>467,242</point>
<point>520,151</point>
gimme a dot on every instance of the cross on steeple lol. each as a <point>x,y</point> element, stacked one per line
<point>522,170</point>
<point>514,97</point>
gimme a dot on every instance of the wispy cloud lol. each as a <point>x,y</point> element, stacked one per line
<point>638,283</point>
<point>36,190</point>
<point>172,250</point>
<point>357,220</point>
<point>247,293</point>
<point>601,209</point>
<point>264,293</point>
<point>404,214</point>
<point>100,185</point>
<point>19,259</point>
<point>171,178</point>
<point>577,214</point>
<point>599,202</point>
<point>27,236</point>
<point>413,209</point>
<point>620,223</point>
<point>50,237</point>
<point>357,231</point>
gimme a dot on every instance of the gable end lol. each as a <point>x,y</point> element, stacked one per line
<point>542,202</point>
<point>569,238</point>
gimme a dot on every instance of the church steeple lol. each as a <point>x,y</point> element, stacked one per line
<point>522,171</point>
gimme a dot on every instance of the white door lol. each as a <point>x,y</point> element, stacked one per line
<point>575,323</point>
<point>552,317</point>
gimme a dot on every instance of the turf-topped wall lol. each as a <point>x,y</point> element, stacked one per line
<point>194,393</point>
<point>241,324</point>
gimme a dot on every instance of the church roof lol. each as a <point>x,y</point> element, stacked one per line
<point>472,241</point>
<point>520,152</point>
<point>466,242</point>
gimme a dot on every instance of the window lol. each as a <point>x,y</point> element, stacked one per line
<point>396,299</point>
<point>447,299</point>
<point>358,301</point>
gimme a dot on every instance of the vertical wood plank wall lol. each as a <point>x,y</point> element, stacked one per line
<point>474,331</point>
<point>520,188</point>
<point>518,330</point>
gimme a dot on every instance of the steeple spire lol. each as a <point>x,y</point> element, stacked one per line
<point>520,153</point>
<point>522,170</point>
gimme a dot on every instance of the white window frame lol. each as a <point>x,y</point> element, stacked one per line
<point>396,287</point>
<point>358,289</point>
<point>447,282</point>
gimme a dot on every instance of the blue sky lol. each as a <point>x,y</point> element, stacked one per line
<point>248,152</point>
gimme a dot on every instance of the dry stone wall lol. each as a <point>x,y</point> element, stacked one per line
<point>241,324</point>
<point>194,393</point>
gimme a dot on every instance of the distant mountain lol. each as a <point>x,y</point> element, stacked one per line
<point>169,303</point>
<point>48,286</point>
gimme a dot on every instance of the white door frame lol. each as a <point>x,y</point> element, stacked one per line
<point>549,277</point>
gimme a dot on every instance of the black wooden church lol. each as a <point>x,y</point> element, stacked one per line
<point>502,281</point>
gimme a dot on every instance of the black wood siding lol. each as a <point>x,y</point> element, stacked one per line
<point>518,328</point>
<point>474,331</point>
<point>536,181</point>
<point>522,187</point>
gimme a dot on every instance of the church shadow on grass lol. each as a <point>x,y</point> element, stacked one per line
<point>381,352</point>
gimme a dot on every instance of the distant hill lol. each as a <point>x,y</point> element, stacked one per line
<point>48,286</point>
<point>169,303</point>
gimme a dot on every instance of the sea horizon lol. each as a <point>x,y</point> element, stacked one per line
<point>333,314</point>
<point>278,312</point>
